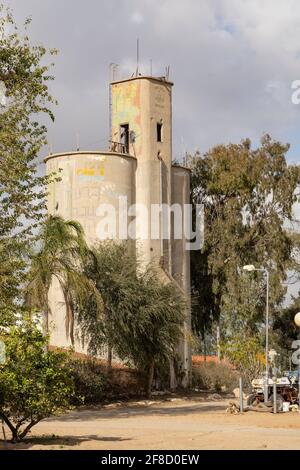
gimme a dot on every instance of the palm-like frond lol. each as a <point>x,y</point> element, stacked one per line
<point>62,255</point>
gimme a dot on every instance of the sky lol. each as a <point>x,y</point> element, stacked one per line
<point>232,63</point>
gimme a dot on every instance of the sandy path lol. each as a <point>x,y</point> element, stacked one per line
<point>184,424</point>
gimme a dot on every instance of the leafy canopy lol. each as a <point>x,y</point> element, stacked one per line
<point>143,315</point>
<point>34,384</point>
<point>59,262</point>
<point>248,195</point>
<point>24,80</point>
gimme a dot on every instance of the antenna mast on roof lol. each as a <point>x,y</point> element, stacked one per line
<point>113,69</point>
<point>137,57</point>
<point>167,72</point>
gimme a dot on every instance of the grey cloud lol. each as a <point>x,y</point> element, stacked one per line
<point>232,63</point>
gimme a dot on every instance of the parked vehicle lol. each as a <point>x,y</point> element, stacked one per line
<point>293,375</point>
<point>286,390</point>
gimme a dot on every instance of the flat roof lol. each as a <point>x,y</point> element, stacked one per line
<point>143,77</point>
<point>88,152</point>
<point>181,167</point>
<point>100,152</point>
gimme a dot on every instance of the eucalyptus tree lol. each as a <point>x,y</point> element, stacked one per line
<point>248,196</point>
<point>143,314</point>
<point>24,78</point>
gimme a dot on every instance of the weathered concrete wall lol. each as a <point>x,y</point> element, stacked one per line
<point>181,256</point>
<point>142,103</point>
<point>88,179</point>
<point>181,259</point>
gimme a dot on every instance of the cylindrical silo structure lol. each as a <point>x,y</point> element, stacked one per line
<point>94,188</point>
<point>89,181</point>
<point>140,178</point>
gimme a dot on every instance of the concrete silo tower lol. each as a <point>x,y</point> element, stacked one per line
<point>138,166</point>
<point>142,125</point>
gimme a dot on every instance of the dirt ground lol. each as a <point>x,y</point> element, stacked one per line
<point>190,423</point>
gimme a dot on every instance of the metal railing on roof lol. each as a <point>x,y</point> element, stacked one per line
<point>118,147</point>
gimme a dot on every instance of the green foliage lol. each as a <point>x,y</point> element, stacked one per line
<point>285,331</point>
<point>143,314</point>
<point>34,384</point>
<point>62,255</point>
<point>247,355</point>
<point>24,77</point>
<point>248,196</point>
<point>89,381</point>
<point>214,377</point>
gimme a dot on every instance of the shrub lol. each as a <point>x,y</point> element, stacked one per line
<point>214,377</point>
<point>34,383</point>
<point>89,380</point>
<point>144,316</point>
<point>247,355</point>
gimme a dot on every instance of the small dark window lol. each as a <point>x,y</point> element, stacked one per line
<point>124,137</point>
<point>159,130</point>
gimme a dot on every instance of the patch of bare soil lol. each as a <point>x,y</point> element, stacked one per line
<point>174,423</point>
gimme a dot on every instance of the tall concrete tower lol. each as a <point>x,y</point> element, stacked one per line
<point>139,167</point>
<point>142,126</point>
<point>142,123</point>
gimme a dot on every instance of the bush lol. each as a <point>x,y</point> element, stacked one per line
<point>247,356</point>
<point>94,383</point>
<point>89,380</point>
<point>34,383</point>
<point>214,377</point>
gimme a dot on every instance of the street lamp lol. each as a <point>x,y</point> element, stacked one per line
<point>251,268</point>
<point>297,319</point>
<point>297,323</point>
<point>272,356</point>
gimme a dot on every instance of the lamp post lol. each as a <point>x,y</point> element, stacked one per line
<point>272,356</point>
<point>250,268</point>
<point>297,323</point>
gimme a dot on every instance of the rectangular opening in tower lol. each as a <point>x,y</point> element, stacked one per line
<point>124,137</point>
<point>159,130</point>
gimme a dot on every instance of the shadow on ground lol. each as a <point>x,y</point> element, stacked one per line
<point>84,414</point>
<point>58,441</point>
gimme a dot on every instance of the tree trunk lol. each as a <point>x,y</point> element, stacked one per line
<point>12,428</point>
<point>3,431</point>
<point>204,345</point>
<point>27,429</point>
<point>173,381</point>
<point>45,322</point>
<point>46,327</point>
<point>150,379</point>
<point>109,359</point>
<point>218,342</point>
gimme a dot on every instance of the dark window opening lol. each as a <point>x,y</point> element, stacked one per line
<point>124,137</point>
<point>159,129</point>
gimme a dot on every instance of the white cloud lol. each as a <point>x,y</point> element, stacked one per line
<point>232,62</point>
<point>137,17</point>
